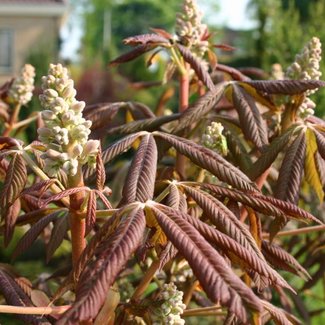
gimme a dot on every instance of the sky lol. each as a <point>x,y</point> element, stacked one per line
<point>231,13</point>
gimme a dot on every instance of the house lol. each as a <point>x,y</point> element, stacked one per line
<point>28,26</point>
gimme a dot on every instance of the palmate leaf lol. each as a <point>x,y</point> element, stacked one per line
<point>291,171</point>
<point>246,258</point>
<point>311,172</point>
<point>285,87</point>
<point>224,219</point>
<point>15,296</point>
<point>249,116</point>
<point>30,236</point>
<point>200,108</point>
<point>140,181</point>
<point>215,276</point>
<point>270,153</point>
<point>97,278</point>
<point>211,161</point>
<point>196,65</point>
<point>114,150</point>
<point>14,182</point>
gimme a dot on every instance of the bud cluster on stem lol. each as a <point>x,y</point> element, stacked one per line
<point>189,28</point>
<point>306,67</point>
<point>214,139</point>
<point>172,306</point>
<point>66,131</point>
<point>21,90</point>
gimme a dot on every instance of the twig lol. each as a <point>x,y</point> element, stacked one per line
<point>299,231</point>
<point>33,310</point>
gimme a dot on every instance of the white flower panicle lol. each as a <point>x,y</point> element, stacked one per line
<point>190,29</point>
<point>214,139</point>
<point>306,67</point>
<point>66,131</point>
<point>21,91</point>
<point>172,307</point>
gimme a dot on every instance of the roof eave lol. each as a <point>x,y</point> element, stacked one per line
<point>48,10</point>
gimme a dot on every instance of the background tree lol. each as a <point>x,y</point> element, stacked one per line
<point>276,42</point>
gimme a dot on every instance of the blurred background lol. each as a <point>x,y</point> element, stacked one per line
<point>87,34</point>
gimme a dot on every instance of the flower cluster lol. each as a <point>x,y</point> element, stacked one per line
<point>21,91</point>
<point>214,139</point>
<point>172,307</point>
<point>190,29</point>
<point>66,131</point>
<point>306,67</point>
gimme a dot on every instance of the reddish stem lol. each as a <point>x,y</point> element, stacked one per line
<point>13,119</point>
<point>259,182</point>
<point>184,89</point>
<point>77,223</point>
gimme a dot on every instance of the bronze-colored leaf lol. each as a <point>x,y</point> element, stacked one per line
<point>139,183</point>
<point>30,236</point>
<point>270,153</point>
<point>100,171</point>
<point>223,219</point>
<point>246,258</point>
<point>101,114</point>
<point>196,65</point>
<point>133,54</point>
<point>279,315</point>
<point>59,231</point>
<point>8,143</point>
<point>60,195</point>
<point>291,171</point>
<point>320,138</point>
<point>91,212</point>
<point>211,161</point>
<point>145,39</point>
<point>285,87</point>
<point>14,182</point>
<point>149,124</point>
<point>215,276</point>
<point>279,258</point>
<point>200,108</point>
<point>15,296</point>
<point>97,278</point>
<point>10,221</point>
<point>250,118</point>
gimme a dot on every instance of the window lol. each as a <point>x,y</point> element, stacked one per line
<point>6,50</point>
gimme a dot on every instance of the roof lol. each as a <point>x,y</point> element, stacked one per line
<point>50,8</point>
<point>31,2</point>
